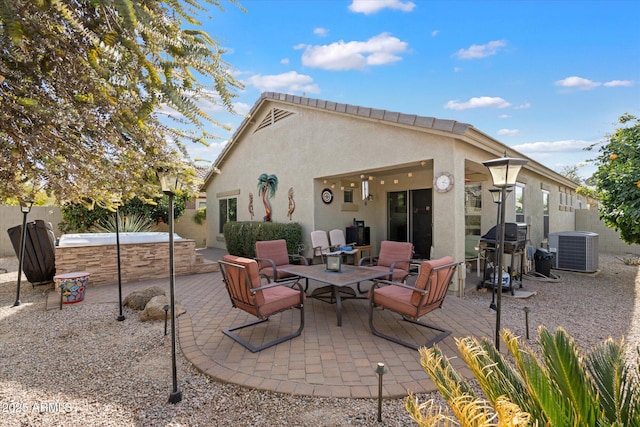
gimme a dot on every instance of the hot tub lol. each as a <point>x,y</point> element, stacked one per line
<point>143,256</point>
<point>96,239</point>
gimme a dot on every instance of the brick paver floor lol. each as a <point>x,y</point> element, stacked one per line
<point>326,360</point>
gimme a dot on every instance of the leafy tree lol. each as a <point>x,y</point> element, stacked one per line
<point>83,217</point>
<point>617,180</point>
<point>564,388</point>
<point>571,172</point>
<point>86,87</point>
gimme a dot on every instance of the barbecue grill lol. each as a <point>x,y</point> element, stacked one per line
<point>515,241</point>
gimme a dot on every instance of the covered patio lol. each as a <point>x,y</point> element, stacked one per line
<point>325,361</point>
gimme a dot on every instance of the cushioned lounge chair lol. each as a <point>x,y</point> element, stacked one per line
<point>243,283</point>
<point>412,302</point>
<point>394,257</point>
<point>272,255</point>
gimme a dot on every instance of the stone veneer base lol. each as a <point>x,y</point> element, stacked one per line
<point>138,261</point>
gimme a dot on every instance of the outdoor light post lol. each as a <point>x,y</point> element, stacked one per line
<point>496,195</point>
<point>170,183</point>
<point>504,172</point>
<point>121,316</point>
<point>25,207</point>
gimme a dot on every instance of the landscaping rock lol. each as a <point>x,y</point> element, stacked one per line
<point>154,310</point>
<point>139,299</point>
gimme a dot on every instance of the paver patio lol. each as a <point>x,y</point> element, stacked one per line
<point>325,361</point>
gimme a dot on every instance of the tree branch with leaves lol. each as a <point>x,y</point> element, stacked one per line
<point>85,87</point>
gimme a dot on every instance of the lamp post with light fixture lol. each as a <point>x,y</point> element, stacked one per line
<point>25,207</point>
<point>504,173</point>
<point>170,184</point>
<point>121,317</point>
<point>496,195</point>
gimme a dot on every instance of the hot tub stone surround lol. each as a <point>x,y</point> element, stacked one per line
<point>138,261</point>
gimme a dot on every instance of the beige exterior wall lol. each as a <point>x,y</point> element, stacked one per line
<point>608,239</point>
<point>321,146</point>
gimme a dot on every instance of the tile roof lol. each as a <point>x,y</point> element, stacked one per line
<point>372,113</point>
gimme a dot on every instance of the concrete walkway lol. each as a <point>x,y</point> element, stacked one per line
<point>325,361</point>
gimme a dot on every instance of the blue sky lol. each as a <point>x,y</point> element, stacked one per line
<point>544,77</point>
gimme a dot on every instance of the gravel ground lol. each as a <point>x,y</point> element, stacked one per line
<point>81,367</point>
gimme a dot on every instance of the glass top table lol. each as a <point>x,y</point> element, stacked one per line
<point>337,281</point>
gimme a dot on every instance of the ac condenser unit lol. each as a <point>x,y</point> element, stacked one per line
<point>575,250</point>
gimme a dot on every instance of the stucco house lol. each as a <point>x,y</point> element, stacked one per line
<point>337,162</point>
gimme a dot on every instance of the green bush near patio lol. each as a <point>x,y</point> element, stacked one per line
<point>241,237</point>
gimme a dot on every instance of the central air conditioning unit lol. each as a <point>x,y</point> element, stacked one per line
<point>575,250</point>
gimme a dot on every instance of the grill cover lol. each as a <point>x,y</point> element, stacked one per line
<point>515,235</point>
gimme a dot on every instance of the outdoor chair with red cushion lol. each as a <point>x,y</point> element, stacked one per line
<point>243,283</point>
<point>413,302</point>
<point>272,256</point>
<point>394,257</point>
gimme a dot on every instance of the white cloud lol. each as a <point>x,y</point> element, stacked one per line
<point>569,145</point>
<point>480,102</point>
<point>378,50</point>
<point>457,69</point>
<point>577,82</point>
<point>617,83</point>
<point>284,61</point>
<point>508,132</point>
<point>372,6</point>
<point>241,108</point>
<point>477,51</point>
<point>435,33</point>
<point>290,82</point>
<point>322,32</point>
<point>504,116</point>
<point>522,106</point>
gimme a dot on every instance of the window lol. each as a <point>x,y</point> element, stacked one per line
<point>472,209</point>
<point>545,213</point>
<point>519,190</point>
<point>348,195</point>
<point>228,211</point>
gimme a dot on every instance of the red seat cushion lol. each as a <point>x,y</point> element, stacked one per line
<point>425,277</point>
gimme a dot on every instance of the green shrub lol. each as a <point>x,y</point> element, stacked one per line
<point>241,237</point>
<point>126,224</point>
<point>78,218</point>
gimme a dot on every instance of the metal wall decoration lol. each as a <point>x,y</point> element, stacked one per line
<point>267,187</point>
<point>251,205</point>
<point>292,204</point>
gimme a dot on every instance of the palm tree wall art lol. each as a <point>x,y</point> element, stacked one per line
<point>267,186</point>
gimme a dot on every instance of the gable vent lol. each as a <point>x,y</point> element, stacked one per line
<point>273,116</point>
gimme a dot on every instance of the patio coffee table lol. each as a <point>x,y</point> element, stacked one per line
<point>337,281</point>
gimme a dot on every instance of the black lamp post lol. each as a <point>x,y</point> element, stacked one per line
<point>121,316</point>
<point>170,183</point>
<point>496,195</point>
<point>25,207</point>
<point>504,172</point>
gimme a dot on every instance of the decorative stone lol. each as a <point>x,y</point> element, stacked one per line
<point>138,300</point>
<point>154,310</point>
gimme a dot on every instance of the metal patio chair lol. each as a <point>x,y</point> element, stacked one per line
<point>412,302</point>
<point>243,283</point>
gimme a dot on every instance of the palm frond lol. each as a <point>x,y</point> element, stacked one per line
<point>567,371</point>
<point>541,398</point>
<point>617,385</point>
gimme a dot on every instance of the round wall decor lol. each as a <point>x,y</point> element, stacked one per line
<point>327,196</point>
<point>443,182</point>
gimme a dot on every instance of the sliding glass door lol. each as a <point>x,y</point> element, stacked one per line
<point>409,219</point>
